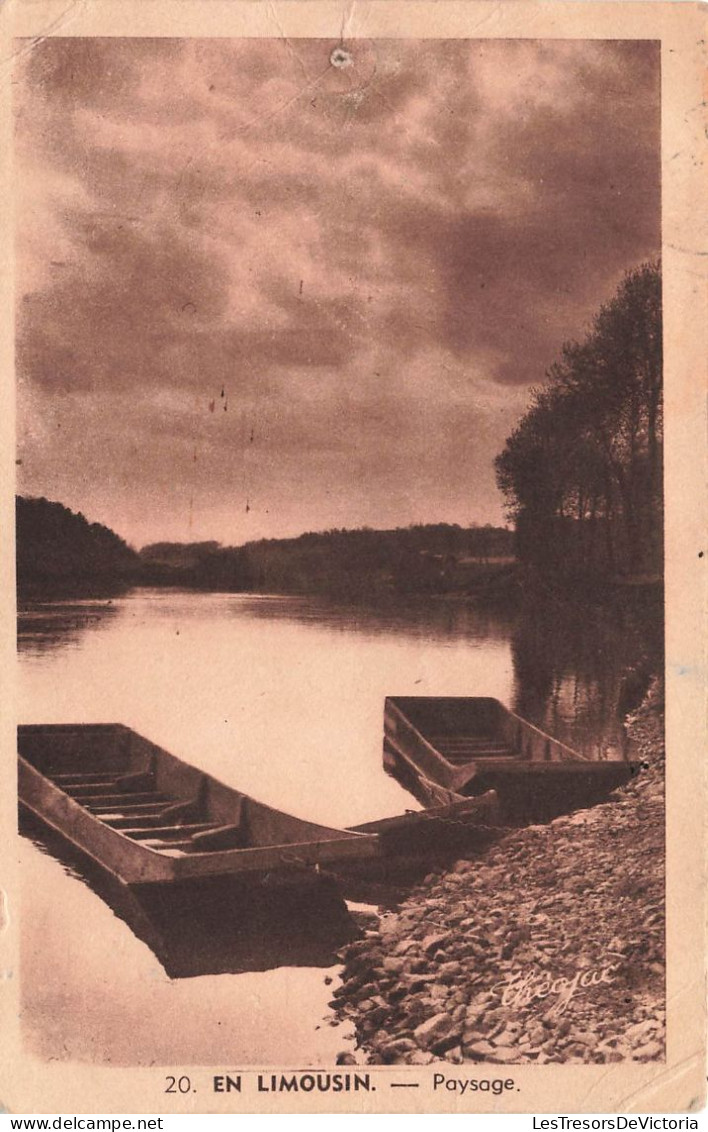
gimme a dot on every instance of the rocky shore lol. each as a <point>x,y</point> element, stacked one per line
<point>548,947</point>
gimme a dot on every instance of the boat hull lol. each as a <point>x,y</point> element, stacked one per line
<point>117,842</point>
<point>447,748</point>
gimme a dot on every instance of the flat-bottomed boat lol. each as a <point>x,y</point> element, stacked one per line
<point>449,747</point>
<point>150,818</point>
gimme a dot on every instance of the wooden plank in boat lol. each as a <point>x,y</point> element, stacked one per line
<point>156,790</point>
<point>445,743</point>
<point>468,809</point>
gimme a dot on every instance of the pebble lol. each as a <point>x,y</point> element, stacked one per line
<point>438,1026</point>
<point>420,1057</point>
<point>405,946</point>
<point>433,943</point>
<point>393,966</point>
<point>504,1054</point>
<point>480,1049</point>
<point>648,1052</point>
<point>397,1046</point>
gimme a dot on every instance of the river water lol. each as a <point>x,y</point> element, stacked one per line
<point>282,697</point>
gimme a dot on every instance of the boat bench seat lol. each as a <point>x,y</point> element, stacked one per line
<point>211,840</point>
<point>131,805</point>
<point>96,801</point>
<point>466,760</point>
<point>223,837</point>
<point>131,815</point>
<point>136,780</point>
<point>460,749</point>
<point>468,740</point>
<point>185,845</point>
<point>81,790</point>
<point>82,778</point>
<point>161,810</point>
<point>114,787</point>
<point>140,832</point>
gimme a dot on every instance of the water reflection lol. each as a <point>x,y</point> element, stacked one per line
<point>93,991</point>
<point>48,626</point>
<point>579,668</point>
<point>433,619</point>
<point>270,698</point>
<point>219,925</point>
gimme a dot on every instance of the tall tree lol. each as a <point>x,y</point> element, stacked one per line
<point>581,473</point>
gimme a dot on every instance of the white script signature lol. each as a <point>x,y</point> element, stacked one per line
<point>527,986</point>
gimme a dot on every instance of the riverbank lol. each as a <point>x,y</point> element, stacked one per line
<point>548,948</point>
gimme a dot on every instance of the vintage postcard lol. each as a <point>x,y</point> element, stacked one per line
<point>357,356</point>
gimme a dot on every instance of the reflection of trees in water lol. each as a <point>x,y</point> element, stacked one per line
<point>579,668</point>
<point>45,627</point>
<point>431,619</point>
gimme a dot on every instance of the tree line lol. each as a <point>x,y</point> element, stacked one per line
<point>59,553</point>
<point>359,564</point>
<point>582,472</point>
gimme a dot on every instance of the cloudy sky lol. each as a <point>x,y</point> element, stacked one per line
<point>264,288</point>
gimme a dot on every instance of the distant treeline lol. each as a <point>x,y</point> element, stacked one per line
<point>59,552</point>
<point>426,559</point>
<point>582,472</point>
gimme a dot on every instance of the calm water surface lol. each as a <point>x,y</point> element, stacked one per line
<point>282,698</point>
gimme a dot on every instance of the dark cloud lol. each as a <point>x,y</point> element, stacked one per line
<point>585,204</point>
<point>101,73</point>
<point>374,261</point>
<point>111,316</point>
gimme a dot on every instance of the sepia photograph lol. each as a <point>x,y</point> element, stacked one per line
<point>340,558</point>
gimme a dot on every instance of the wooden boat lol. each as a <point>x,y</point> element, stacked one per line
<point>435,828</point>
<point>415,843</point>
<point>447,748</point>
<point>149,818</point>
